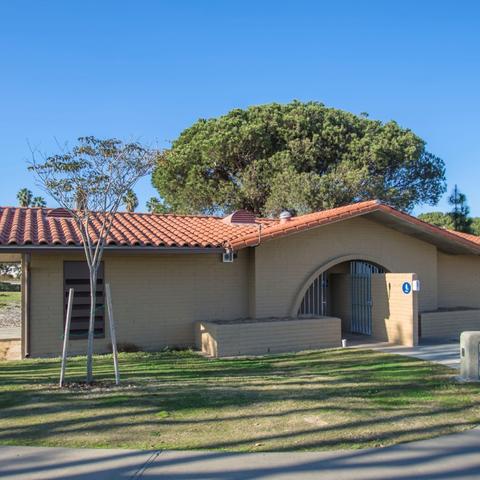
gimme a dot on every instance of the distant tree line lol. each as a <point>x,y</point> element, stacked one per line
<point>458,218</point>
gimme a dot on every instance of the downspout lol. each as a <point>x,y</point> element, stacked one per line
<point>260,225</point>
<point>228,246</point>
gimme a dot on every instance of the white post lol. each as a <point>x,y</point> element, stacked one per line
<point>66,336</point>
<point>113,337</point>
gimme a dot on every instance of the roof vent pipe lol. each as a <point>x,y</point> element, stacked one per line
<point>285,216</point>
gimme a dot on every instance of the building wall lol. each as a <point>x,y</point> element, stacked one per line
<point>284,265</point>
<point>394,313</point>
<point>156,298</point>
<point>458,281</point>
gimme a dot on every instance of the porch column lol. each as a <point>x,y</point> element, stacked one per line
<point>25,327</point>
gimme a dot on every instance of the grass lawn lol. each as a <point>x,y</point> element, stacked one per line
<point>10,298</point>
<point>329,399</point>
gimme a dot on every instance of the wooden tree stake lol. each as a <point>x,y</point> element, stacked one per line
<point>113,337</point>
<point>66,335</point>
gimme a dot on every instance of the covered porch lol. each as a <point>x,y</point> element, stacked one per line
<point>372,302</point>
<point>13,307</point>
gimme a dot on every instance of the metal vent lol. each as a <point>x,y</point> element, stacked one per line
<point>59,213</point>
<point>241,217</point>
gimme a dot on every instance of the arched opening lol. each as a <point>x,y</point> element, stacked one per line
<point>342,290</point>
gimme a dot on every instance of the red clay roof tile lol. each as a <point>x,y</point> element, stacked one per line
<point>51,227</point>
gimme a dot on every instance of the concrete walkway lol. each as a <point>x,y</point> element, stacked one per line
<point>444,352</point>
<point>447,354</point>
<point>450,457</point>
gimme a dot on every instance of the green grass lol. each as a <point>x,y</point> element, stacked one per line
<point>179,400</point>
<point>10,298</point>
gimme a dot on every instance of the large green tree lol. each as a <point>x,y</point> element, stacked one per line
<point>297,156</point>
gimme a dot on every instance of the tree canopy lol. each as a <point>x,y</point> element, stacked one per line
<point>297,156</point>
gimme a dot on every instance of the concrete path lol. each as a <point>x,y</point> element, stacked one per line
<point>450,457</point>
<point>444,353</point>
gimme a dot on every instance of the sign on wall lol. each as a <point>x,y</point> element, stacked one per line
<point>406,288</point>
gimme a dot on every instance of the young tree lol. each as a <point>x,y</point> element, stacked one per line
<point>90,181</point>
<point>462,222</point>
<point>38,202</point>
<point>24,197</point>
<point>131,201</point>
<point>259,157</point>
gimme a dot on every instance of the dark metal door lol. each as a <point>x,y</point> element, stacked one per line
<point>361,278</point>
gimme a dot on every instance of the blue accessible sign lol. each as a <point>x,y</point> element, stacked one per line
<point>406,288</point>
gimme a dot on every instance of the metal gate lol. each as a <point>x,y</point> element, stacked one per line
<point>315,299</point>
<point>361,278</point>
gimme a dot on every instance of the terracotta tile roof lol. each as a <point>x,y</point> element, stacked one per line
<point>325,217</point>
<point>53,227</point>
<point>47,227</point>
<point>305,222</point>
<point>467,236</point>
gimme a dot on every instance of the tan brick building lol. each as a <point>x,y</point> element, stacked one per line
<point>242,285</point>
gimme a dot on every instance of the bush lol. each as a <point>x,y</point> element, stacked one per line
<point>126,347</point>
<point>10,287</point>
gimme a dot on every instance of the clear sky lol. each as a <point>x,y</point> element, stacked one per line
<point>145,70</point>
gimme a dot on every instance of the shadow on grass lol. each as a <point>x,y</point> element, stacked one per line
<point>367,390</point>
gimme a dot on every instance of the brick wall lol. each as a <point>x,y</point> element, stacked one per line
<point>394,313</point>
<point>268,336</point>
<point>449,324</point>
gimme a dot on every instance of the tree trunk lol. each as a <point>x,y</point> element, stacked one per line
<point>91,324</point>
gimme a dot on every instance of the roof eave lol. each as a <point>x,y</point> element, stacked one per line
<point>109,249</point>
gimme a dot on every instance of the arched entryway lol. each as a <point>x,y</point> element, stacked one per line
<point>342,290</point>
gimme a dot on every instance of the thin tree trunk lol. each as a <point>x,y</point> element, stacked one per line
<point>91,325</point>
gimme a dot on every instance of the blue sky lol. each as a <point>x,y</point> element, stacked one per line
<point>146,70</point>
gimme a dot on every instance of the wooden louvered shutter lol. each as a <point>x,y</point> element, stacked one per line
<point>76,276</point>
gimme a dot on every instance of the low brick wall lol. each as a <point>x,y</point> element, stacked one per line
<point>263,336</point>
<point>448,324</point>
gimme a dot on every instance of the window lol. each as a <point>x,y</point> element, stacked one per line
<point>315,299</point>
<point>76,276</point>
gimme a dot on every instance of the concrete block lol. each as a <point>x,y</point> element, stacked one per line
<point>469,355</point>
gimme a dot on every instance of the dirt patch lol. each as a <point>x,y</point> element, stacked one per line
<point>10,350</point>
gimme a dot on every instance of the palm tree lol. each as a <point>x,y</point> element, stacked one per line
<point>24,197</point>
<point>38,202</point>
<point>131,201</point>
